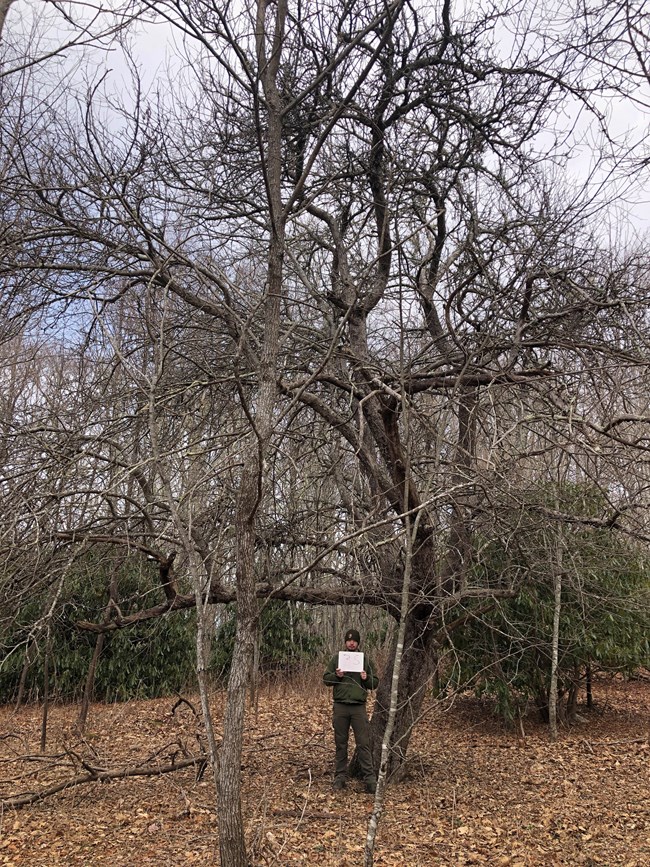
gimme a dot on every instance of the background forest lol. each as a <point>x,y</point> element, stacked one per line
<point>329,314</point>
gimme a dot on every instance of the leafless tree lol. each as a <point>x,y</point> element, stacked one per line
<point>332,214</point>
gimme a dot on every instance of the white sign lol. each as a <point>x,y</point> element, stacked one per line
<point>349,661</point>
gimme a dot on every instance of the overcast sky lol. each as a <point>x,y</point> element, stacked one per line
<point>155,47</point>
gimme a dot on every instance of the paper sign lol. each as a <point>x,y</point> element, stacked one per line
<point>349,661</point>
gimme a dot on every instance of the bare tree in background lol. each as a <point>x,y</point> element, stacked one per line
<point>334,212</point>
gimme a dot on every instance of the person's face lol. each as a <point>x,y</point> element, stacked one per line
<point>351,645</point>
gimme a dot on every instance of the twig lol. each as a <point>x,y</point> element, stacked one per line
<point>591,744</point>
<point>304,806</point>
<point>303,815</point>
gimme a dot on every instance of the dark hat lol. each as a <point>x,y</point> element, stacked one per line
<point>353,635</point>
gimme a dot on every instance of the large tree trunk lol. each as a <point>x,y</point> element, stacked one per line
<point>417,666</point>
<point>387,739</point>
<point>232,843</point>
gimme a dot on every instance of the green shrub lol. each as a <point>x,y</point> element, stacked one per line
<point>151,659</point>
<point>505,652</point>
<point>285,640</point>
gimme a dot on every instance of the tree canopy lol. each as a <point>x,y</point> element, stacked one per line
<point>335,278</point>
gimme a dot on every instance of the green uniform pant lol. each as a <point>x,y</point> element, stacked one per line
<point>344,716</point>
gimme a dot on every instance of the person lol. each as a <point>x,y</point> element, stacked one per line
<point>350,693</point>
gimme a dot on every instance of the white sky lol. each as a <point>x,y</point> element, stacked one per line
<point>154,47</point>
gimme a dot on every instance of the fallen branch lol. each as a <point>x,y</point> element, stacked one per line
<point>101,776</point>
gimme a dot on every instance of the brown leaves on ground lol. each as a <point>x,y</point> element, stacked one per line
<point>474,794</point>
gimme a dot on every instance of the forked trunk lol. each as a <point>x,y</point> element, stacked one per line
<point>417,668</point>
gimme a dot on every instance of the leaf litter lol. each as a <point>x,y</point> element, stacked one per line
<point>474,793</point>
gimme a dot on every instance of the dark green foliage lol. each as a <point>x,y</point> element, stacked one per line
<point>154,658</point>
<point>505,652</point>
<point>285,639</point>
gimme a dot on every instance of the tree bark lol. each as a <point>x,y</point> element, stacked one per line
<point>418,664</point>
<point>387,738</point>
<point>23,674</point>
<point>90,682</point>
<point>46,693</point>
<point>97,650</point>
<point>232,843</point>
<point>555,646</point>
<point>572,699</point>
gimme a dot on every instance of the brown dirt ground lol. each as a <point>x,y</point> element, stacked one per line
<point>475,794</point>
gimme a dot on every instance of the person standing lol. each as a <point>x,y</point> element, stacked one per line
<point>350,693</point>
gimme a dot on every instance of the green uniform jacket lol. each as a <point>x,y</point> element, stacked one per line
<point>350,689</point>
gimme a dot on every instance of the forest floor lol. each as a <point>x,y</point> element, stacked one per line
<point>475,792</point>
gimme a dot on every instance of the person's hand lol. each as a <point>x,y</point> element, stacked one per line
<point>363,675</point>
<point>339,672</point>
